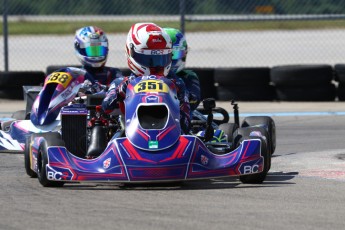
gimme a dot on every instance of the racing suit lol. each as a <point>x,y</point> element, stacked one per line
<point>102,77</point>
<point>117,92</point>
<point>191,80</point>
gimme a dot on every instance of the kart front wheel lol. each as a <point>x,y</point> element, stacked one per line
<point>27,157</point>
<point>258,178</point>
<point>50,139</point>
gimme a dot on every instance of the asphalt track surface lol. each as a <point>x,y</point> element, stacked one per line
<point>303,190</point>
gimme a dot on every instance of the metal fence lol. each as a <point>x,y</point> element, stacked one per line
<point>220,33</point>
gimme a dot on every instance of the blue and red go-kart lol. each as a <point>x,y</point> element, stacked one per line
<point>146,144</point>
<point>60,88</point>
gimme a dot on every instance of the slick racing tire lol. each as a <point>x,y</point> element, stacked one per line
<point>51,139</point>
<point>27,157</point>
<point>228,129</point>
<point>258,178</point>
<point>243,132</point>
<point>301,75</point>
<point>264,122</point>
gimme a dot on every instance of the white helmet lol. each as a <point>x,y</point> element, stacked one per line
<point>91,46</point>
<point>148,50</point>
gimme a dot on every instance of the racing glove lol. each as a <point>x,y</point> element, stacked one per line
<point>92,88</point>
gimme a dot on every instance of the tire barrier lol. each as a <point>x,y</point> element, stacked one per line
<point>282,83</point>
<point>206,79</point>
<point>304,82</point>
<point>301,75</point>
<point>246,93</point>
<point>339,72</point>
<point>325,92</point>
<point>11,83</point>
<point>244,84</point>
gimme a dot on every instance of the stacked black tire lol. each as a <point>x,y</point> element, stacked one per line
<point>304,82</point>
<point>11,83</point>
<point>244,84</point>
<point>339,70</point>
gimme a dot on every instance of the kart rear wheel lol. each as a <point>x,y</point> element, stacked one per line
<point>51,139</point>
<point>258,178</point>
<point>265,122</point>
<point>27,163</point>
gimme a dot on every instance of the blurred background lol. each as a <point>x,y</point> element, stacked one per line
<point>220,33</point>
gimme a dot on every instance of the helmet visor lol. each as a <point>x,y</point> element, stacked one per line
<point>96,51</point>
<point>152,60</point>
<point>93,49</point>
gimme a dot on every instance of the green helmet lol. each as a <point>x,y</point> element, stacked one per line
<point>179,47</point>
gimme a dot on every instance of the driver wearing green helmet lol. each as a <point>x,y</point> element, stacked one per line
<point>190,78</point>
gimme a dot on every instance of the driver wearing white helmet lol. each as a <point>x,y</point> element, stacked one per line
<point>149,52</point>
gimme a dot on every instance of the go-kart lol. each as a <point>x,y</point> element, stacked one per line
<point>60,88</point>
<point>145,144</point>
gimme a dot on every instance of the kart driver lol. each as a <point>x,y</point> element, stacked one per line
<point>179,55</point>
<point>141,40</point>
<point>91,48</point>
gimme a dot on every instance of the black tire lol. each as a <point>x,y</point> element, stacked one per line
<point>301,75</point>
<point>246,93</point>
<point>326,92</point>
<point>265,122</point>
<point>51,139</point>
<point>19,115</point>
<point>52,68</point>
<point>206,79</point>
<point>16,79</point>
<point>339,73</point>
<point>27,164</point>
<point>341,92</point>
<point>258,178</point>
<point>246,76</point>
<point>12,93</point>
<point>228,129</point>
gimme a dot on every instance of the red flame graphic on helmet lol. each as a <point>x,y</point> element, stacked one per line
<point>155,41</point>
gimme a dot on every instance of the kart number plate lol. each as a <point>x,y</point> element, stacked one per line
<point>151,86</point>
<point>61,78</point>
